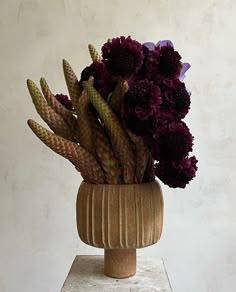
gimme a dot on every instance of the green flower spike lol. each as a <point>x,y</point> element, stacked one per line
<point>72,84</point>
<point>120,140</point>
<point>56,105</point>
<point>95,56</point>
<point>117,96</point>
<point>54,120</point>
<point>105,153</point>
<point>84,123</point>
<point>82,159</point>
<point>141,153</point>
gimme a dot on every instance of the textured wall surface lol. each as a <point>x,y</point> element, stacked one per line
<point>38,188</point>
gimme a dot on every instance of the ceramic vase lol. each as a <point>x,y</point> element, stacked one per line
<point>119,219</point>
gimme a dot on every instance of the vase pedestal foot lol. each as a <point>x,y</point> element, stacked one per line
<point>120,263</point>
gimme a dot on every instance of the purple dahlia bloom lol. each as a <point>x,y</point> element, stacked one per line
<point>102,79</point>
<point>142,72</point>
<point>143,128</point>
<point>140,107</point>
<point>122,56</point>
<point>170,61</point>
<point>64,100</point>
<point>164,63</point>
<point>172,142</point>
<point>143,99</point>
<point>176,101</point>
<point>177,174</point>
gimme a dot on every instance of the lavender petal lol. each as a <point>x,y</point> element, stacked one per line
<point>185,67</point>
<point>165,43</point>
<point>149,45</point>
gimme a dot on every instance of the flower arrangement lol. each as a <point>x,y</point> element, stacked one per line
<point>123,122</point>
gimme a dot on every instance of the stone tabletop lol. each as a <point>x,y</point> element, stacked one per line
<point>86,274</point>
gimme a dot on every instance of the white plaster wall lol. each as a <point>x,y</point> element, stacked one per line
<point>38,188</point>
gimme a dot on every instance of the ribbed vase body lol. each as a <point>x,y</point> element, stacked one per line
<point>120,216</point>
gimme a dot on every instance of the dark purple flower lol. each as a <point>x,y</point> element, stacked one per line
<point>123,56</point>
<point>164,63</point>
<point>143,99</point>
<point>140,107</point>
<point>102,79</point>
<point>169,60</point>
<point>166,117</point>
<point>176,102</point>
<point>144,128</point>
<point>142,72</point>
<point>172,142</point>
<point>64,100</point>
<point>176,174</point>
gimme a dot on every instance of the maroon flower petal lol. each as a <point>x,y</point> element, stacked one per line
<point>169,61</point>
<point>64,100</point>
<point>140,107</point>
<point>144,98</point>
<point>122,56</point>
<point>176,101</point>
<point>144,128</point>
<point>102,79</point>
<point>176,174</point>
<point>164,63</point>
<point>172,142</point>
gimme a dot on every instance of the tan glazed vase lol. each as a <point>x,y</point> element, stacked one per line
<point>120,219</point>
